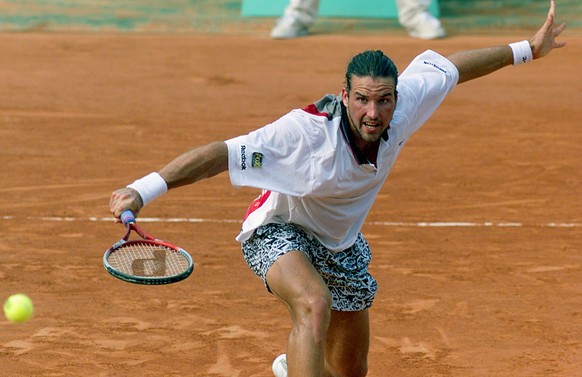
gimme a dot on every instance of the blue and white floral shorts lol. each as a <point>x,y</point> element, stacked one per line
<point>345,272</point>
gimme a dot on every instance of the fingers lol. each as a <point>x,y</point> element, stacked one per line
<point>552,11</point>
<point>551,14</point>
<point>557,31</point>
<point>549,24</point>
<point>544,40</point>
<point>115,201</point>
<point>124,199</point>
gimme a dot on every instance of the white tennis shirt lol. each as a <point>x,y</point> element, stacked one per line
<point>313,176</point>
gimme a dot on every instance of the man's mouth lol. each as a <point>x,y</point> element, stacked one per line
<point>371,125</point>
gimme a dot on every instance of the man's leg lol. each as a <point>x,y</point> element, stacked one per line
<point>294,280</point>
<point>416,19</point>
<point>408,9</point>
<point>304,10</point>
<point>347,344</point>
<point>295,22</point>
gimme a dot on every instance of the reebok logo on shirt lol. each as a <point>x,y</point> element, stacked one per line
<point>243,157</point>
<point>256,159</point>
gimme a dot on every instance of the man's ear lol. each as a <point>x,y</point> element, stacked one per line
<point>345,96</point>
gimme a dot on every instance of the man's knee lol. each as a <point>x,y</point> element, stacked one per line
<point>314,311</point>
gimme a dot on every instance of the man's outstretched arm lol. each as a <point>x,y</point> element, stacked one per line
<point>476,63</point>
<point>190,167</point>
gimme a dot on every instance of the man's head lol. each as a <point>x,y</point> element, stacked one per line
<point>370,95</point>
<point>371,63</point>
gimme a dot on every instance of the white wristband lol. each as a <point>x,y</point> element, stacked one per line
<point>150,187</point>
<point>521,52</point>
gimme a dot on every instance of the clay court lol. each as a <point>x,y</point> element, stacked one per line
<point>476,237</point>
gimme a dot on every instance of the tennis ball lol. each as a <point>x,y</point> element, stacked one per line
<point>18,308</point>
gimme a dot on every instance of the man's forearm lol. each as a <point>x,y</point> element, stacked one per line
<point>473,64</point>
<point>199,163</point>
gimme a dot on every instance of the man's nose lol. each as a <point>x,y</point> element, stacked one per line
<point>373,110</point>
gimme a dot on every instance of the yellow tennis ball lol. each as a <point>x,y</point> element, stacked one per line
<point>18,308</point>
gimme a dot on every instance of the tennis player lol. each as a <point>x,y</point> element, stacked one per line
<point>320,169</point>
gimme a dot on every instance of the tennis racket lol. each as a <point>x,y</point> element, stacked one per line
<point>147,260</point>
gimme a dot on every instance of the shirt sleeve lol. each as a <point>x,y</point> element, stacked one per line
<point>276,157</point>
<point>422,87</point>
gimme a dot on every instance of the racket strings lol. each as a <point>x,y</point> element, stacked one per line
<point>144,259</point>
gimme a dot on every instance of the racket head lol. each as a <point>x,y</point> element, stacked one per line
<point>148,262</point>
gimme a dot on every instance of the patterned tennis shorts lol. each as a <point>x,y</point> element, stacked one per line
<point>345,272</point>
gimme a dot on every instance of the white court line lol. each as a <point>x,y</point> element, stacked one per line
<point>472,224</point>
<point>421,224</point>
<point>112,219</point>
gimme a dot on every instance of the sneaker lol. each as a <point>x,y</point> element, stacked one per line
<point>288,27</point>
<point>280,366</point>
<point>425,26</point>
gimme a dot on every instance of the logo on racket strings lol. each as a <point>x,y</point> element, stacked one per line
<point>154,266</point>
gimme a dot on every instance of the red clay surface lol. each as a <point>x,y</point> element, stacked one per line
<point>82,115</point>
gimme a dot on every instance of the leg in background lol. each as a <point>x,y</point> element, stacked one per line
<point>414,16</point>
<point>295,22</point>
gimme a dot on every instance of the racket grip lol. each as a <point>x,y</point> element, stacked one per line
<point>127,217</point>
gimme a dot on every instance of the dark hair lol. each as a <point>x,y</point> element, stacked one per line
<point>371,64</point>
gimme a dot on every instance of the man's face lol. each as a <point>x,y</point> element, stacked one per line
<point>370,104</point>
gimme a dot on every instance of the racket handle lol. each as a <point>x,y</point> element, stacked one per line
<point>127,217</point>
